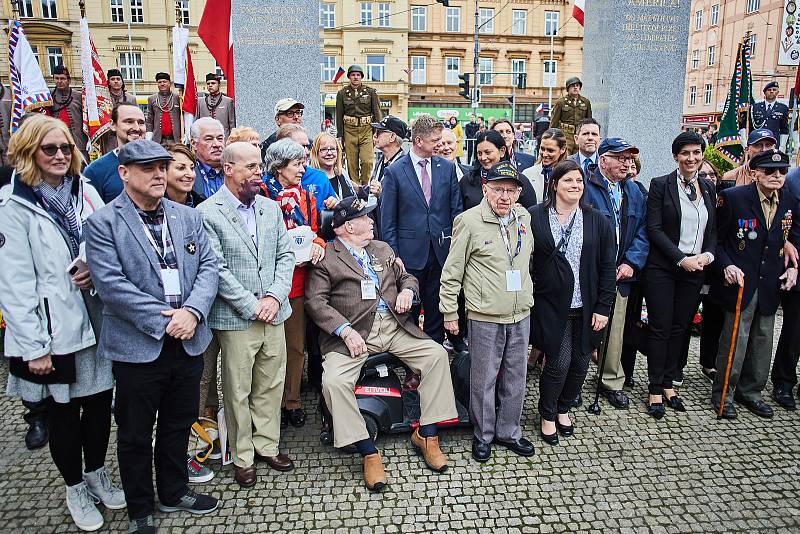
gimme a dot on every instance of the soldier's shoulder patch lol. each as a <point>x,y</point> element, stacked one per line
<point>2,240</point>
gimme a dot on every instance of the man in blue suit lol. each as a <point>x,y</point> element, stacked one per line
<point>622,202</point>
<point>587,137</point>
<point>420,199</point>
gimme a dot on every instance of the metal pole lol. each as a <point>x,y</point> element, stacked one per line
<point>130,47</point>
<point>550,88</point>
<point>513,99</point>
<point>475,62</point>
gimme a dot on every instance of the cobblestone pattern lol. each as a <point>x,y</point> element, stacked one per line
<point>622,471</point>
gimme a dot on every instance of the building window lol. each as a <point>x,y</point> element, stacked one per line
<point>376,67</point>
<point>452,19</point>
<point>550,73</point>
<point>695,59</point>
<point>218,71</point>
<point>714,15</point>
<point>418,70</point>
<point>519,22</point>
<point>137,12</point>
<point>366,13</point>
<point>452,68</point>
<point>26,9</point>
<point>383,15</point>
<point>752,41</point>
<point>55,57</point>
<point>753,5</point>
<point>117,11</point>
<point>49,9</point>
<point>707,95</point>
<point>183,6</point>
<point>698,19</point>
<point>328,68</point>
<point>327,15</point>
<point>517,67</point>
<point>486,20</point>
<point>485,71</point>
<point>419,16</point>
<point>550,23</point>
<point>692,96</point>
<point>712,55</point>
<point>130,64</point>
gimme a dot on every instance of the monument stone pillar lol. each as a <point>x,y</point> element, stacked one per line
<point>634,67</point>
<point>277,52</point>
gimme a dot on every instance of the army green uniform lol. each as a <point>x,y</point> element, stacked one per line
<point>356,109</point>
<point>568,111</point>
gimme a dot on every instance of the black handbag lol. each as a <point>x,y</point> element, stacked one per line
<point>63,370</point>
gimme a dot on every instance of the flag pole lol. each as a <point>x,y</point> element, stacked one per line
<point>179,24</point>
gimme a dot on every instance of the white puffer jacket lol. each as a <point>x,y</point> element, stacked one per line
<point>44,312</point>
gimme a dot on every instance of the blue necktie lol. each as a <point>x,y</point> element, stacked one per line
<point>586,163</point>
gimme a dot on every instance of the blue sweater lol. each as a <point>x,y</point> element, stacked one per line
<point>314,181</point>
<point>103,175</point>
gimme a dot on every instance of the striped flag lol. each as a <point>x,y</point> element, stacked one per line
<point>189,105</point>
<point>339,74</point>
<point>27,83</point>
<point>728,140</point>
<point>96,98</point>
<point>578,9</point>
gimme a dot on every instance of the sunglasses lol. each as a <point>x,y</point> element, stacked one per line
<point>770,171</point>
<point>52,150</point>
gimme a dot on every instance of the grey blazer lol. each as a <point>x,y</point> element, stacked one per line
<point>127,275</point>
<point>246,273</point>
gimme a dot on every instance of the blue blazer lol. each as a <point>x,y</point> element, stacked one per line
<point>408,224</point>
<point>523,161</point>
<point>633,246</point>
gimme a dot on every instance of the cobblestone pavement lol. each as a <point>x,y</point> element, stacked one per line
<point>622,471</point>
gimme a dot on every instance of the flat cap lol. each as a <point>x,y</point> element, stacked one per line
<point>142,151</point>
<point>770,159</point>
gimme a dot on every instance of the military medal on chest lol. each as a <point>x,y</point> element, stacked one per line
<point>786,225</point>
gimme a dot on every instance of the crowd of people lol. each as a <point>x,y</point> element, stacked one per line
<point>161,270</point>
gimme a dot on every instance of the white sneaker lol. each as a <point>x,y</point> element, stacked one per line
<point>82,508</point>
<point>101,488</point>
<point>198,473</point>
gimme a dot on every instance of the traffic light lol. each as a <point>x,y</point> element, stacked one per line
<point>521,79</point>
<point>464,85</point>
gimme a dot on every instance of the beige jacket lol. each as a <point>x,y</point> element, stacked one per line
<point>477,263</point>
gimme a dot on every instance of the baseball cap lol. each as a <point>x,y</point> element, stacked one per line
<point>759,134</point>
<point>350,208</point>
<point>616,145</point>
<point>392,124</point>
<point>503,171</point>
<point>285,104</point>
<point>770,159</point>
<point>142,151</point>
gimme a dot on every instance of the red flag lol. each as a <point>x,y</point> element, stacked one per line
<point>215,31</point>
<point>339,74</point>
<point>190,91</point>
<point>797,83</point>
<point>577,11</point>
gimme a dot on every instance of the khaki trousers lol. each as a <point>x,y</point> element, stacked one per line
<point>359,151</point>
<point>424,356</point>
<point>613,373</point>
<point>294,329</point>
<point>253,370</point>
<point>208,382</point>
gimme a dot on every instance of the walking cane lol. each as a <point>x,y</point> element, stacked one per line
<point>594,408</point>
<point>731,350</point>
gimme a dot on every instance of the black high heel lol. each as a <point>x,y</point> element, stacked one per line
<point>564,430</point>
<point>550,439</point>
<point>675,402</point>
<point>655,409</point>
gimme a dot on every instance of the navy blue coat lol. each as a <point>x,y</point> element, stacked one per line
<point>408,224</point>
<point>760,258</point>
<point>633,246</point>
<point>522,161</point>
<point>777,121</point>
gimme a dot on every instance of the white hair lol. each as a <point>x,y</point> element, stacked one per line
<point>194,130</point>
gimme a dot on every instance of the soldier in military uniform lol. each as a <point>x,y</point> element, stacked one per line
<point>68,107</point>
<point>357,107</point>
<point>118,94</point>
<point>569,110</point>
<point>162,116</point>
<point>754,223</point>
<point>217,105</point>
<point>771,115</point>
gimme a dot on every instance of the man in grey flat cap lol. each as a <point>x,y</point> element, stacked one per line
<point>156,273</point>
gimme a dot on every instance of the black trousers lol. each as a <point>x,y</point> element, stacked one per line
<point>470,151</point>
<point>632,314</point>
<point>429,277</point>
<point>784,368</point>
<point>564,373</point>
<point>671,302</point>
<point>79,432</point>
<point>713,319</point>
<point>169,386</point>
<point>37,411</point>
<point>314,368</point>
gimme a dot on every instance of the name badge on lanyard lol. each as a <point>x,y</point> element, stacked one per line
<point>513,276</point>
<point>170,278</point>
<point>368,290</point>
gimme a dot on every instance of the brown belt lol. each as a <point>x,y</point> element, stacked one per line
<point>355,121</point>
<point>567,128</point>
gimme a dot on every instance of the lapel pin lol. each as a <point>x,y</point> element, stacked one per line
<point>191,248</point>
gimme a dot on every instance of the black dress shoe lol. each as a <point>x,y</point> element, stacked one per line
<point>617,399</point>
<point>564,430</point>
<point>629,383</point>
<point>676,403</point>
<point>578,401</point>
<point>36,436</point>
<point>481,450</point>
<point>783,396</point>
<point>297,417</point>
<point>728,412</point>
<point>655,409</point>
<point>522,446</point>
<point>759,407</point>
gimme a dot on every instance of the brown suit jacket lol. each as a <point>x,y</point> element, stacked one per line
<point>333,293</point>
<point>152,118</point>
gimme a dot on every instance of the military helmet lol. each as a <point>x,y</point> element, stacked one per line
<point>573,81</point>
<point>354,68</point>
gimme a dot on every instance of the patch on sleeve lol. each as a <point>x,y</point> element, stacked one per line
<point>2,240</point>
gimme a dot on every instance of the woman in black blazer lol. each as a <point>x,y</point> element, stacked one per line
<point>682,230</point>
<point>570,311</point>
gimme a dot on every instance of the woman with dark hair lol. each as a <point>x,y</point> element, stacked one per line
<point>552,150</point>
<point>490,149</point>
<point>573,272</point>
<point>520,160</point>
<point>181,176</point>
<point>681,211</point>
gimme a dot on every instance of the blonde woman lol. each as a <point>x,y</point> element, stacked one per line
<point>245,134</point>
<point>326,155</point>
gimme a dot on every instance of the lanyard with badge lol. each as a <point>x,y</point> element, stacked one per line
<point>513,276</point>
<point>566,234</point>
<point>169,277</point>
<point>368,289</point>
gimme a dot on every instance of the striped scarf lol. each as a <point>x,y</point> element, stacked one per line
<point>289,201</point>
<point>58,202</point>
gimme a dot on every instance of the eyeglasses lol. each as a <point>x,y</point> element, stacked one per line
<point>621,159</point>
<point>704,174</point>
<point>52,150</point>
<point>505,192</point>
<point>307,146</point>
<point>770,171</point>
<point>252,167</point>
<point>293,114</point>
<point>328,150</point>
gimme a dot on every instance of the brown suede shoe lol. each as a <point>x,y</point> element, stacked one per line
<point>374,475</point>
<point>430,451</point>
<point>245,476</point>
